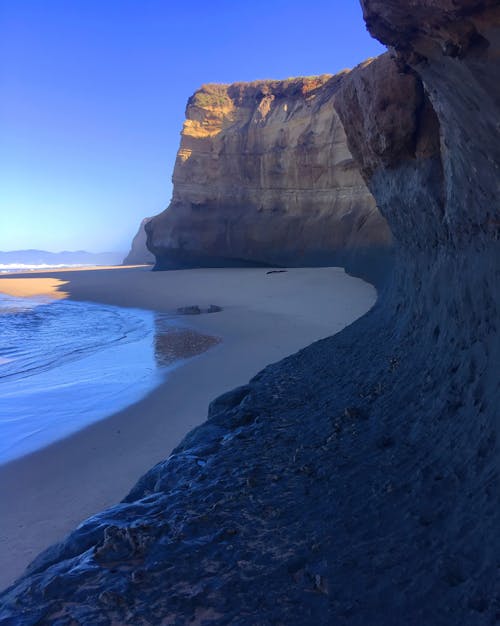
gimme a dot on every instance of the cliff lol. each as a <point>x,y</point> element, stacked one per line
<point>139,253</point>
<point>356,482</point>
<point>264,176</point>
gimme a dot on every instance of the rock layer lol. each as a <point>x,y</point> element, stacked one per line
<point>139,253</point>
<point>263,176</point>
<point>355,482</point>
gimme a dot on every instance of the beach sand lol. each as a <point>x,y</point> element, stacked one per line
<point>30,287</point>
<point>265,317</point>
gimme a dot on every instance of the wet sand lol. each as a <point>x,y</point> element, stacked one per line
<point>264,318</point>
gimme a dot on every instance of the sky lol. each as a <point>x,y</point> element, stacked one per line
<point>93,94</point>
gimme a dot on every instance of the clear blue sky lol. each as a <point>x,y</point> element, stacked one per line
<point>93,94</point>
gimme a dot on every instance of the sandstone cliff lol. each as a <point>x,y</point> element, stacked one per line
<point>139,253</point>
<point>263,176</point>
<point>356,482</point>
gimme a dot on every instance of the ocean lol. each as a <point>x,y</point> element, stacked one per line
<point>15,268</point>
<point>66,364</point>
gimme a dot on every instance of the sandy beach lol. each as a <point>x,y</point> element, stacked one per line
<point>264,318</point>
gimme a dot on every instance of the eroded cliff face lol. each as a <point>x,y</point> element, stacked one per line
<point>263,175</point>
<point>139,253</point>
<point>356,482</point>
<point>431,156</point>
<point>453,47</point>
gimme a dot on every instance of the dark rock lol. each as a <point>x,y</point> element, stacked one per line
<point>197,310</point>
<point>189,310</point>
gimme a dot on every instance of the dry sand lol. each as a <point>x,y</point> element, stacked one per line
<point>29,287</point>
<point>264,318</point>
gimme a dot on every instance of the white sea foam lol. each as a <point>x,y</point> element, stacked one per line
<point>7,268</point>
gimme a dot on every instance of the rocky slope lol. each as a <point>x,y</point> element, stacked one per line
<point>263,175</point>
<point>139,253</point>
<point>357,481</point>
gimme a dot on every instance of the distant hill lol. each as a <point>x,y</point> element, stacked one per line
<point>42,257</point>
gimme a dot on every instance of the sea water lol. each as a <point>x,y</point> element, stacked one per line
<point>66,364</point>
<point>19,268</point>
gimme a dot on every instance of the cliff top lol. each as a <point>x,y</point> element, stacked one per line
<point>219,95</point>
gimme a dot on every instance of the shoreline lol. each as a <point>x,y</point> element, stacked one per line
<point>264,318</point>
